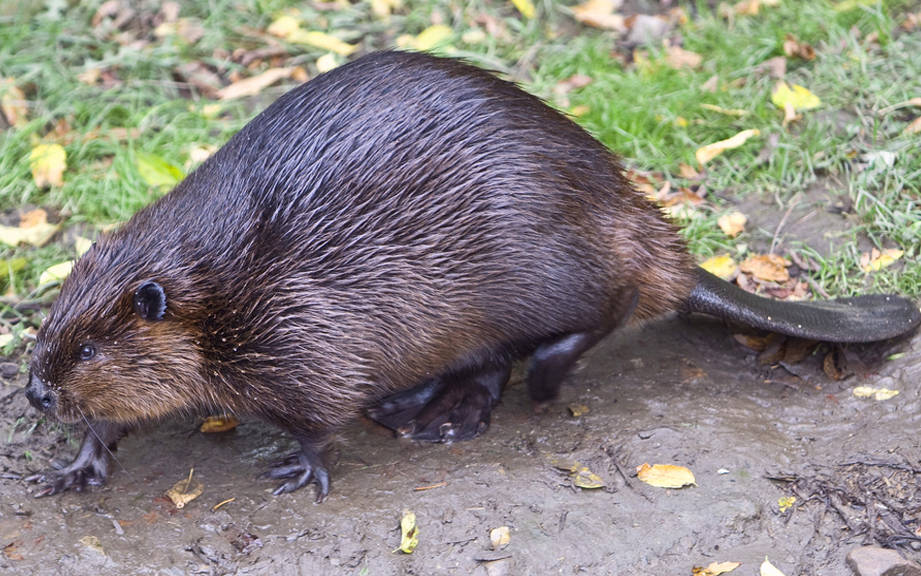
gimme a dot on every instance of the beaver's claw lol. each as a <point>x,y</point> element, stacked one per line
<point>301,468</point>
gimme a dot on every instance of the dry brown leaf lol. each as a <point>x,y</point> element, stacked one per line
<point>578,410</point>
<point>793,48</point>
<point>11,551</point>
<point>832,366</point>
<point>253,85</point>
<point>600,14</point>
<point>688,172</point>
<point>914,127</point>
<point>499,537</point>
<point>185,491</point>
<point>92,543</point>
<point>678,58</point>
<point>13,103</point>
<point>665,475</point>
<point>711,85</point>
<point>732,224</point>
<point>707,153</point>
<point>715,568</point>
<point>767,267</point>
<point>756,343</point>
<point>214,424</point>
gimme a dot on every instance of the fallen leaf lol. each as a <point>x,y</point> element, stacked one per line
<point>526,7</point>
<point>688,172</point>
<point>732,224</point>
<point>848,5</point>
<point>706,153</point>
<point>585,478</point>
<point>776,67</point>
<point>384,8</point>
<point>189,29</point>
<point>185,491</point>
<point>81,245</point>
<point>499,537</point>
<point>711,84</point>
<point>432,37</point>
<point>33,229</point>
<point>48,162</point>
<point>914,127</point>
<point>678,58</point>
<point>578,410</point>
<point>56,273</point>
<point>723,266</point>
<point>92,543</point>
<point>876,260</point>
<point>254,84</point>
<point>409,533</point>
<point>834,365</point>
<point>768,569</point>
<point>784,503</point>
<point>199,154</point>
<point>214,424</point>
<point>794,48</point>
<point>5,339</point>
<point>12,103</point>
<point>737,112</point>
<point>283,26</point>
<point>756,343</point>
<point>879,394</point>
<point>715,569</point>
<point>327,62</point>
<point>156,171</point>
<point>323,41</point>
<point>767,267</point>
<point>600,14</point>
<point>665,475</point>
<point>795,96</point>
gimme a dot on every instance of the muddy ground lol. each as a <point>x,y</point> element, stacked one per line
<point>679,391</point>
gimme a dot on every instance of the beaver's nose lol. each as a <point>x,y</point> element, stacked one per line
<point>38,394</point>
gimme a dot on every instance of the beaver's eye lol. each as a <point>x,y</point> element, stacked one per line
<point>87,351</point>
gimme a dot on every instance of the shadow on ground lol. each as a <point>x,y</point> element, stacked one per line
<point>675,391</point>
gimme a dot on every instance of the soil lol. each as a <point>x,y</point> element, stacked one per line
<point>676,391</point>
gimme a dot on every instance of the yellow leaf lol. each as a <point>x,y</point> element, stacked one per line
<point>499,537</point>
<point>409,532</point>
<point>326,62</point>
<point>254,84</point>
<point>33,229</point>
<point>48,162</point>
<point>738,112</point>
<point>56,273</point>
<point>525,7</point>
<point>878,394</point>
<point>784,503</point>
<point>185,491</point>
<point>767,267</point>
<point>585,478</point>
<point>156,171</point>
<point>715,569</point>
<point>81,245</point>
<point>283,26</point>
<point>768,569</point>
<point>732,224</point>
<point>383,8</point>
<point>5,339</point>
<point>12,103</point>
<point>706,153</point>
<point>723,266</point>
<point>214,424</point>
<point>432,37</point>
<point>877,260</point>
<point>795,96</point>
<point>600,14</point>
<point>665,475</point>
<point>323,41</point>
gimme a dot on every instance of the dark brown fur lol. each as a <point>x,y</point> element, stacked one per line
<point>399,219</point>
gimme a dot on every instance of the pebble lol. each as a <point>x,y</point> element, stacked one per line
<point>876,561</point>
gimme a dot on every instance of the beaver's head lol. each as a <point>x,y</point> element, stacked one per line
<point>113,346</point>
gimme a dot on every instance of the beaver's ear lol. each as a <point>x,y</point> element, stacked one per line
<point>150,301</point>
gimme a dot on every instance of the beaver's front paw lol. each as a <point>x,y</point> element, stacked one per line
<point>76,476</point>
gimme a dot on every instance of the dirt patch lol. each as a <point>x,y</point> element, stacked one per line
<point>676,391</point>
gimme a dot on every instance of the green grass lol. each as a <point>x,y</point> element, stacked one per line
<point>649,113</point>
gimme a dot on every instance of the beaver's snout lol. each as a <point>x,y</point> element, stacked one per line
<point>39,395</point>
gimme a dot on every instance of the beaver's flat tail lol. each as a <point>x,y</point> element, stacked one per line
<point>861,319</point>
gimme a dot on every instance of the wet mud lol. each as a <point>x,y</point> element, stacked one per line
<point>676,391</point>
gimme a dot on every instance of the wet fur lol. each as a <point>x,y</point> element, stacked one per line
<point>397,218</point>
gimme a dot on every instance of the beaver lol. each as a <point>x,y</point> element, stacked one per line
<point>391,236</point>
